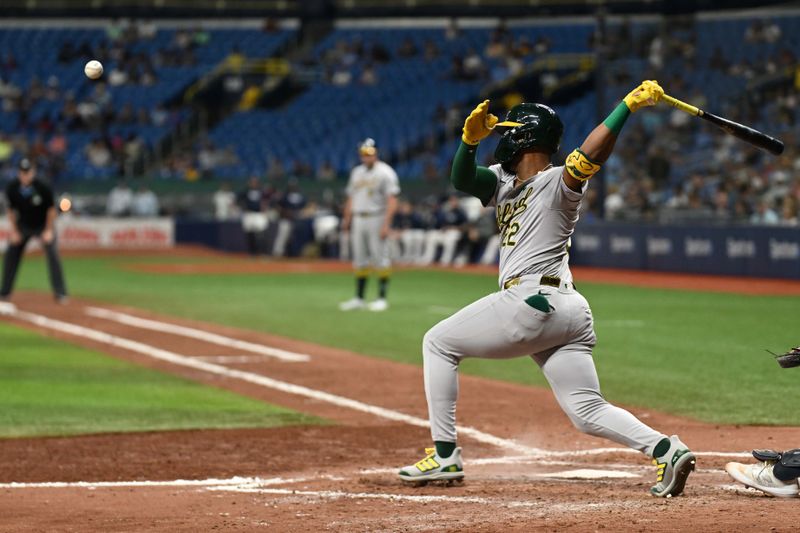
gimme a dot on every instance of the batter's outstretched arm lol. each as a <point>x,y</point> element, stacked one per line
<point>466,176</point>
<point>585,161</point>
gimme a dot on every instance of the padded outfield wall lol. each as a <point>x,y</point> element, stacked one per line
<point>742,251</point>
<point>772,252</point>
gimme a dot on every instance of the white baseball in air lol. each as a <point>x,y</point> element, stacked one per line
<point>93,69</point>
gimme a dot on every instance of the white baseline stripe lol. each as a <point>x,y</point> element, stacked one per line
<point>243,481</point>
<point>493,502</point>
<point>264,381</point>
<point>194,333</point>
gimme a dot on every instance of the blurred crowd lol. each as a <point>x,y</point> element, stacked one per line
<point>684,169</point>
<point>678,169</point>
<point>45,136</point>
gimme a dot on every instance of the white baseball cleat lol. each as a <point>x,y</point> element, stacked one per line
<point>7,308</point>
<point>378,305</point>
<point>759,476</point>
<point>434,468</point>
<point>352,304</point>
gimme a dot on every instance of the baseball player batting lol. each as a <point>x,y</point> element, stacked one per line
<point>537,312</point>
<point>371,204</point>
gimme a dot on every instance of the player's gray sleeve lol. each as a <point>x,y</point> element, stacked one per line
<point>566,198</point>
<point>391,182</point>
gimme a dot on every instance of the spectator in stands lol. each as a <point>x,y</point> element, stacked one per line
<point>145,203</point>
<point>290,206</point>
<point>275,170</point>
<point>450,222</point>
<point>301,169</point>
<point>479,241</point>
<point>368,75</point>
<point>408,236</point>
<point>789,211</point>
<point>407,49</point>
<point>98,153</point>
<point>431,50</point>
<point>253,200</point>
<point>474,67</point>
<point>762,31</point>
<point>326,172</point>
<point>225,202</point>
<point>452,31</point>
<point>120,200</point>
<point>118,75</point>
<point>764,214</point>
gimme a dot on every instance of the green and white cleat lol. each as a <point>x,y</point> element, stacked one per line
<point>674,468</point>
<point>434,468</point>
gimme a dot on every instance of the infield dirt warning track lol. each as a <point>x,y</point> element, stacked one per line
<point>527,468</point>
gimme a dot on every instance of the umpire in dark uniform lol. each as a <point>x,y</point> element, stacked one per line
<point>31,213</point>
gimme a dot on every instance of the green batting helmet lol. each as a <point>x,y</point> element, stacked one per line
<point>531,126</point>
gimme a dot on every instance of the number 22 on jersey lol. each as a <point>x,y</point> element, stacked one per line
<point>506,213</point>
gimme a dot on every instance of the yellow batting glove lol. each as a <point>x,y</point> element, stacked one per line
<point>479,124</point>
<point>646,94</point>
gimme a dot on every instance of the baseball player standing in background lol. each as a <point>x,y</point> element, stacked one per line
<point>371,204</point>
<point>538,312</point>
<point>31,213</point>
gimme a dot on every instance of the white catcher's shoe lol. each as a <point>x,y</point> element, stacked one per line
<point>378,305</point>
<point>759,476</point>
<point>352,304</point>
<point>434,468</point>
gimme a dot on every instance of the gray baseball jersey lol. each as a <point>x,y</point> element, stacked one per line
<point>370,187</point>
<point>536,220</point>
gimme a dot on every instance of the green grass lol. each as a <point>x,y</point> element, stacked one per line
<point>689,353</point>
<point>48,387</point>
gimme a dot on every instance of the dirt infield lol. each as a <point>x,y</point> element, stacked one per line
<point>527,468</point>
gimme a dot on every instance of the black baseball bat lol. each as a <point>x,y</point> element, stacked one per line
<point>745,133</point>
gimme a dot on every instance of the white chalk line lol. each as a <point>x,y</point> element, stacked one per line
<point>231,359</point>
<point>475,500</point>
<point>199,334</point>
<point>236,480</point>
<point>258,379</point>
<point>157,353</point>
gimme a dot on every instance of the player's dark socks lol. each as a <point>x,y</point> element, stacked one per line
<point>661,448</point>
<point>383,285</point>
<point>361,286</point>
<point>444,449</point>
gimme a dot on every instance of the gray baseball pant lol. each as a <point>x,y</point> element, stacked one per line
<point>502,325</point>
<point>368,247</point>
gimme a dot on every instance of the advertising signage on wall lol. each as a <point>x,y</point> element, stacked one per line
<point>763,251</point>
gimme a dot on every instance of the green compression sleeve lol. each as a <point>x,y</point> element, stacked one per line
<point>467,177</point>
<point>617,118</point>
